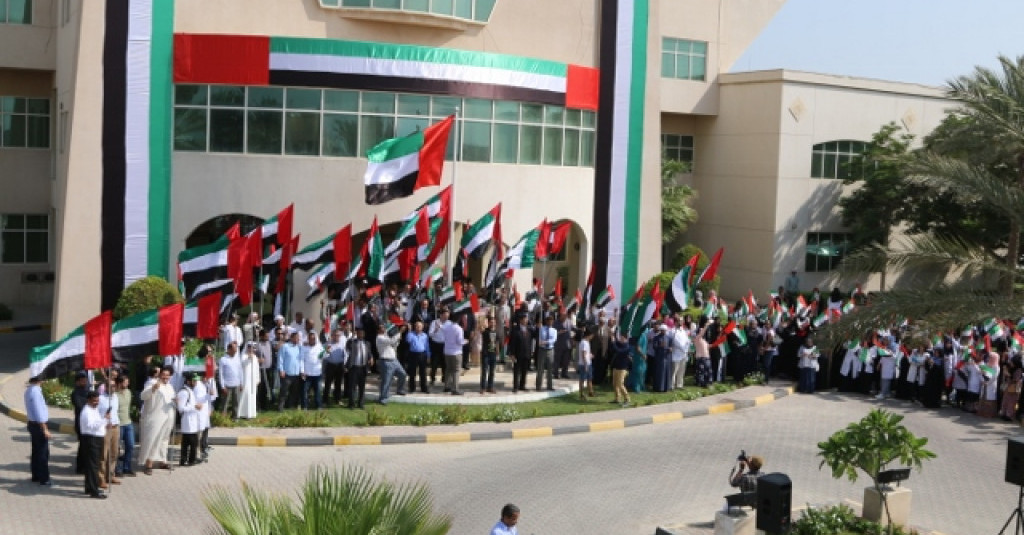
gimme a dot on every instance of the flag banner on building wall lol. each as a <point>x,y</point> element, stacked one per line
<point>620,142</point>
<point>333,63</point>
<point>136,152</point>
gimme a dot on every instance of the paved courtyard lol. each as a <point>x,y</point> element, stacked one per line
<point>625,481</point>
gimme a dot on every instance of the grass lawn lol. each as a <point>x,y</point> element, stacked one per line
<point>419,414</point>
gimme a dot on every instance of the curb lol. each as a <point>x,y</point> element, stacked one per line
<point>63,426</point>
<point>536,432</point>
<point>24,328</point>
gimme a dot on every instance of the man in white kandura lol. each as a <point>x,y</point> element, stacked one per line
<point>250,381</point>
<point>157,421</point>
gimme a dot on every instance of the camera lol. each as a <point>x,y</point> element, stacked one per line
<point>742,456</point>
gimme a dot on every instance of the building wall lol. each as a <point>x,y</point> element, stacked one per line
<point>31,46</point>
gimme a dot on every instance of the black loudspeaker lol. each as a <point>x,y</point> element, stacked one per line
<point>774,502</point>
<point>1015,461</point>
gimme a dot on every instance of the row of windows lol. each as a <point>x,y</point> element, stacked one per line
<point>478,10</point>
<point>684,59</point>
<point>677,147</point>
<point>825,250</point>
<point>833,160</point>
<point>315,122</point>
<point>24,122</point>
<point>24,238</point>
<point>15,11</point>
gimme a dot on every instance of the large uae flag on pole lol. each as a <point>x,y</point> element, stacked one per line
<point>399,166</point>
<point>135,143</point>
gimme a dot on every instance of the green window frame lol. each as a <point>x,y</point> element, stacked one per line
<point>24,238</point>
<point>684,59</point>
<point>346,123</point>
<point>474,10</point>
<point>24,122</point>
<point>835,159</point>
<point>16,12</point>
<point>824,250</point>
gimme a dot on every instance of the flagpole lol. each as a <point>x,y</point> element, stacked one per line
<point>451,217</point>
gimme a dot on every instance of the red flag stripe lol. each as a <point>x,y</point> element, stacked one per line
<point>98,353</point>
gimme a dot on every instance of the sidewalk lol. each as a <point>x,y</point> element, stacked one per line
<point>12,387</point>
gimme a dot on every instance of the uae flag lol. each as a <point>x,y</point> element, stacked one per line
<point>219,285</point>
<point>414,231</point>
<point>433,273</point>
<point>482,232</point>
<point>677,297</point>
<point>59,358</point>
<point>134,142</point>
<point>605,297</point>
<point>399,166</point>
<point>98,340</point>
<point>335,248</point>
<point>523,253</point>
<point>201,317</point>
<point>278,229</point>
<point>372,255</point>
<point>436,206</point>
<point>712,268</point>
<point>203,264</point>
<point>440,232</point>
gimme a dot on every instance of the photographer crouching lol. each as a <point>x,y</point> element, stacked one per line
<point>744,476</point>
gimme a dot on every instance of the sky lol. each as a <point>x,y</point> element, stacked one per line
<point>920,41</point>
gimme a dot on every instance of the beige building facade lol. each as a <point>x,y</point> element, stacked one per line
<point>252,148</point>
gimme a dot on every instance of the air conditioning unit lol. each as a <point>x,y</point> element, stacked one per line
<point>37,277</point>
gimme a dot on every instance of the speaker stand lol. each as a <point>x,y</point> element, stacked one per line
<point>1017,513</point>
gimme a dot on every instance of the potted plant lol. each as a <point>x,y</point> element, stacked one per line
<point>870,446</point>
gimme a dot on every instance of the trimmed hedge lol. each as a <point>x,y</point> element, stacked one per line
<point>145,294</point>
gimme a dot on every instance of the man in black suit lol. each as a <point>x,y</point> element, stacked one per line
<point>78,401</point>
<point>520,348</point>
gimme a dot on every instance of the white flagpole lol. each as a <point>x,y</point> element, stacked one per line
<point>451,217</point>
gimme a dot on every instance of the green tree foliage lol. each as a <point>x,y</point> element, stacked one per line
<point>676,212</point>
<point>331,502</point>
<point>145,294</point>
<point>879,203</point>
<point>870,446</point>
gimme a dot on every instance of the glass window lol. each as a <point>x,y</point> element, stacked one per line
<point>13,130</point>
<point>683,59</point>
<point>552,146</point>
<point>265,97</point>
<point>25,122</point>
<point>482,9</point>
<point>824,250</point>
<point>190,129</point>
<point>378,103</point>
<point>226,130</point>
<point>303,99</point>
<point>506,111</point>
<point>441,7</point>
<point>417,5</point>
<point>477,108</point>
<point>263,132</point>
<point>373,129</point>
<point>571,147</point>
<point>506,143</point>
<point>194,95</point>
<point>476,143</point>
<point>387,4</point>
<point>227,95</point>
<point>414,105</point>
<point>677,147</point>
<point>835,159</point>
<point>341,135</point>
<point>24,238</point>
<point>355,3</point>
<point>464,9</point>
<point>409,125</point>
<point>302,133</point>
<point>341,100</point>
<point>305,122</point>
<point>16,11</point>
<point>444,106</point>
<point>38,135</point>
<point>529,144</point>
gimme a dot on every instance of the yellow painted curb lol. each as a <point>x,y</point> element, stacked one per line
<point>262,441</point>
<point>761,400</point>
<point>447,437</point>
<point>722,408</point>
<point>357,440</point>
<point>532,433</point>
<point>607,426</point>
<point>666,417</point>
<point>18,415</point>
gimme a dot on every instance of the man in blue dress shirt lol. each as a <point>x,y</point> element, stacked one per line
<point>38,415</point>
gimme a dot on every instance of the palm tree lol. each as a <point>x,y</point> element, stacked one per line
<point>349,501</point>
<point>991,105</point>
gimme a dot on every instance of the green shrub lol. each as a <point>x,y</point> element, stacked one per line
<point>838,520</point>
<point>218,419</point>
<point>454,415</point>
<point>6,314</point>
<point>374,418</point>
<point>145,294</point>
<point>292,419</point>
<point>754,378</point>
<point>502,414</point>
<point>56,394</point>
